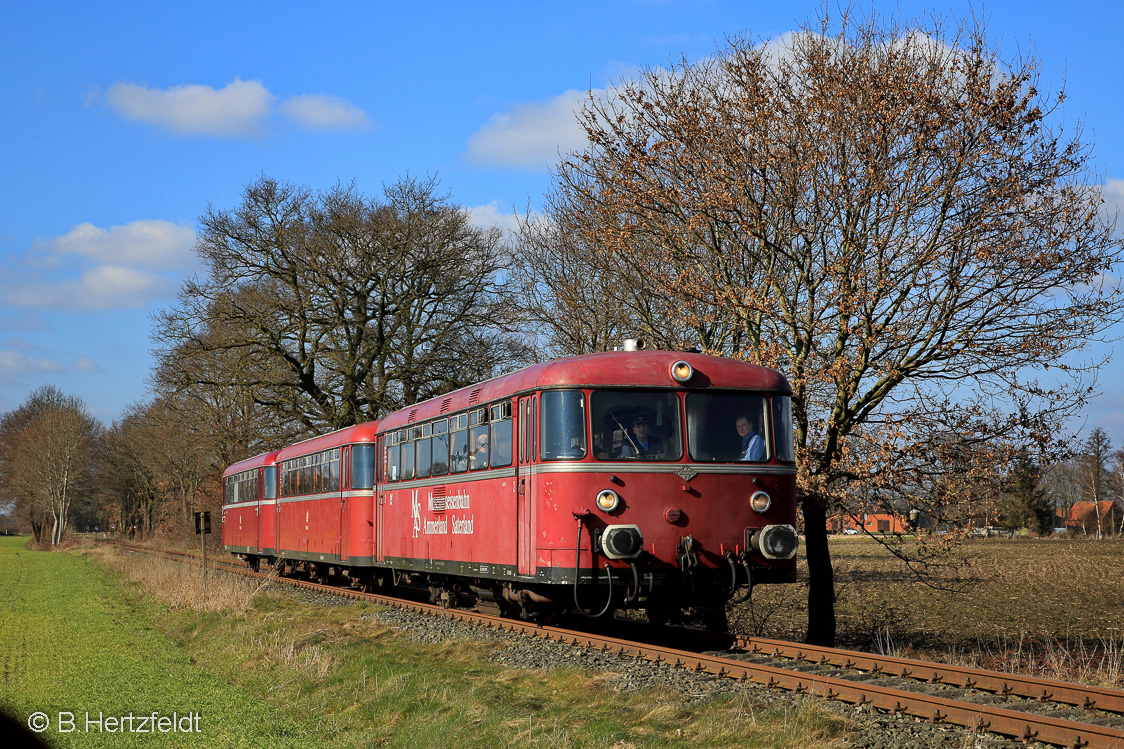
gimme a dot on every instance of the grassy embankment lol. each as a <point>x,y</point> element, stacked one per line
<point>1051,607</point>
<point>100,632</point>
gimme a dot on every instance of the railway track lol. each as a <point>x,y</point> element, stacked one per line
<point>1020,707</point>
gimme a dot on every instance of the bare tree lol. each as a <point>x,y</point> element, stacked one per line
<point>49,458</point>
<point>1117,477</point>
<point>330,309</point>
<point>1095,482</point>
<point>888,214</point>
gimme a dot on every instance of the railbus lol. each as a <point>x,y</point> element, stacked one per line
<point>629,479</point>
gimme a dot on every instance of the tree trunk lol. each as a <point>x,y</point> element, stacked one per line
<point>821,577</point>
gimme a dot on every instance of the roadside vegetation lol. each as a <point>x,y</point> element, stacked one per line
<point>123,633</point>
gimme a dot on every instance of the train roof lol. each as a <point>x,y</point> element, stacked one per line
<point>359,433</point>
<point>611,369</point>
<point>265,459</point>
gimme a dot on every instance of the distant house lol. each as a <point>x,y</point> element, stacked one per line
<point>871,522</point>
<point>1082,517</point>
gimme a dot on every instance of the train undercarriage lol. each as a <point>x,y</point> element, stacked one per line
<point>666,596</point>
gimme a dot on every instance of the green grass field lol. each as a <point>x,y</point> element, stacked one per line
<point>94,632</point>
<point>71,645</point>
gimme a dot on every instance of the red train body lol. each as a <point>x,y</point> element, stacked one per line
<point>626,479</point>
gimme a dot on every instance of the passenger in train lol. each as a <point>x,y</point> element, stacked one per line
<point>753,446</point>
<point>479,457</point>
<point>640,442</point>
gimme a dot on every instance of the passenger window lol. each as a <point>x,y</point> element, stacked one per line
<point>458,459</point>
<point>393,462</point>
<point>478,438</point>
<point>425,458</point>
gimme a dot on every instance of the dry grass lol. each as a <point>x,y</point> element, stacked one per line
<point>179,585</point>
<point>1048,607</point>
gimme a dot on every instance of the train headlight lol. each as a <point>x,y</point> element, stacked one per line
<point>774,541</point>
<point>608,500</point>
<point>681,372</point>
<point>622,541</point>
<point>760,501</point>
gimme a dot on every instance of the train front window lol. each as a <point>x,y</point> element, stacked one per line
<point>782,427</point>
<point>727,427</point>
<point>635,425</point>
<point>563,425</point>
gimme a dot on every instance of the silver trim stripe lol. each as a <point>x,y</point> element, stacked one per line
<point>673,468</point>
<point>449,478</point>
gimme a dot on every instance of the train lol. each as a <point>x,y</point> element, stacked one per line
<point>631,479</point>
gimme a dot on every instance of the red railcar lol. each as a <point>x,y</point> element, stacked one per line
<point>249,491</point>
<point>325,503</point>
<point>626,479</point>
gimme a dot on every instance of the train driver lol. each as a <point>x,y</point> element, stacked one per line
<point>753,446</point>
<point>639,441</point>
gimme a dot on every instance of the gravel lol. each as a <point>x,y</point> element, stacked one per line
<point>868,729</point>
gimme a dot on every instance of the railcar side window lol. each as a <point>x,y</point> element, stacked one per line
<point>478,440</point>
<point>562,425</point>
<point>408,460</point>
<point>782,427</point>
<point>270,482</point>
<point>393,462</point>
<point>362,466</point>
<point>458,431</point>
<point>440,447</point>
<point>727,427</point>
<point>635,425</point>
<point>424,463</point>
<point>501,435</point>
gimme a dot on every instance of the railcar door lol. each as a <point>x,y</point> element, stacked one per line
<point>254,539</point>
<point>345,506</point>
<point>524,486</point>
<point>380,477</point>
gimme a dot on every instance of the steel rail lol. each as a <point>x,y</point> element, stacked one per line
<point>1019,725</point>
<point>1043,690</point>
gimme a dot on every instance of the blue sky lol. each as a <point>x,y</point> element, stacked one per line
<point>120,122</point>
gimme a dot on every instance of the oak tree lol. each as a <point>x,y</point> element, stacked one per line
<point>890,214</point>
<point>327,309</point>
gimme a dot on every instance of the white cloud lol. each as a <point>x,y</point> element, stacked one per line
<point>237,110</point>
<point>531,135</point>
<point>241,109</point>
<point>323,112</point>
<point>92,268</point>
<point>1113,194</point>
<point>100,288</point>
<point>14,366</point>
<point>493,214</point>
<point>148,244</point>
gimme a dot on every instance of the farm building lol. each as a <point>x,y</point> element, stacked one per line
<point>1082,517</point>
<point>871,522</point>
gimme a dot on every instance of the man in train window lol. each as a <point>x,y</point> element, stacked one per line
<point>479,457</point>
<point>639,442</point>
<point>753,445</point>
